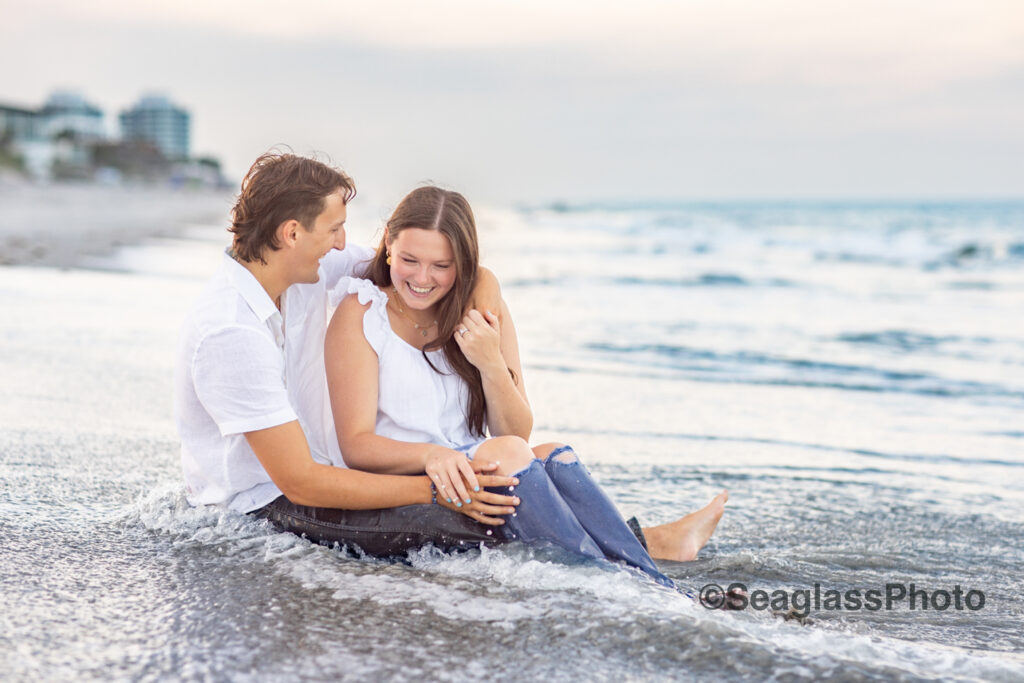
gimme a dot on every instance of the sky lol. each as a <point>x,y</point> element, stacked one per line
<point>566,100</point>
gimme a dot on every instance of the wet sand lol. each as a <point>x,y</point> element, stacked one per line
<point>61,225</point>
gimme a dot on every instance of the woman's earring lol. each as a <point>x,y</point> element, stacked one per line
<point>389,259</point>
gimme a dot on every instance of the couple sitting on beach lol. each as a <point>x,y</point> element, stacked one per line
<point>369,427</point>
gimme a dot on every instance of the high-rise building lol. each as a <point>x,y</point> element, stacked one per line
<point>17,123</point>
<point>54,141</point>
<point>156,120</point>
<point>68,114</point>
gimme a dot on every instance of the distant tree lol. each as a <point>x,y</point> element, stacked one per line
<point>210,162</point>
<point>9,157</point>
<point>136,160</point>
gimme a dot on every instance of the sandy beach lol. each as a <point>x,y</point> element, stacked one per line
<point>62,224</point>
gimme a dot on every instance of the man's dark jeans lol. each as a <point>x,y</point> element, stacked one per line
<point>390,532</point>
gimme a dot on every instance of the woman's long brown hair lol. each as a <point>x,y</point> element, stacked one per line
<point>432,208</point>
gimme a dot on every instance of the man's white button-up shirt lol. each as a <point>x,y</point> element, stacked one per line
<point>243,366</point>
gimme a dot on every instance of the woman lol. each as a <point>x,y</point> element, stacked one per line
<point>415,387</point>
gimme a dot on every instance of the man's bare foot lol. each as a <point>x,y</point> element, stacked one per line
<point>682,539</point>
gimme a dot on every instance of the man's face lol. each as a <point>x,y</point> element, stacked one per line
<point>328,233</point>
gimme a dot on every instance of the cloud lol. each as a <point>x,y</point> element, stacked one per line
<point>520,100</point>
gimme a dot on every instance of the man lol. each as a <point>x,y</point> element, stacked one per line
<point>251,401</point>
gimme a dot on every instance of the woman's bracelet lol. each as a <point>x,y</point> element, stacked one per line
<point>433,493</point>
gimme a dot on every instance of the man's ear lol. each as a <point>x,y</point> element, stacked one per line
<point>288,232</point>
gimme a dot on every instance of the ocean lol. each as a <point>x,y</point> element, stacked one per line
<point>853,374</point>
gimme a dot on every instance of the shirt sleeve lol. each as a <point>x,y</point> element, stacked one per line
<point>375,321</point>
<point>238,374</point>
<point>345,263</point>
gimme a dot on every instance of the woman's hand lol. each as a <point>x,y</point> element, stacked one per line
<point>479,338</point>
<point>485,506</point>
<point>452,475</point>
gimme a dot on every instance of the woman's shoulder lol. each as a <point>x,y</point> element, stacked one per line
<point>356,289</point>
<point>361,304</point>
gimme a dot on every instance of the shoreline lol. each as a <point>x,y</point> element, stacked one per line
<point>62,225</point>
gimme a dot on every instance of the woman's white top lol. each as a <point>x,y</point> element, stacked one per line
<point>415,404</point>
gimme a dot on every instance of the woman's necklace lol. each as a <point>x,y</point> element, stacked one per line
<point>401,311</point>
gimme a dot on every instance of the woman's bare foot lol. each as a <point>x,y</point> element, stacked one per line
<point>682,539</point>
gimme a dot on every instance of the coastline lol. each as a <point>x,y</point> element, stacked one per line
<point>61,225</point>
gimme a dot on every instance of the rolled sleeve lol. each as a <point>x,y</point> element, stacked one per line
<point>243,391</point>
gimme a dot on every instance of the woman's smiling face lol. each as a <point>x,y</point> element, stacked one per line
<point>422,267</point>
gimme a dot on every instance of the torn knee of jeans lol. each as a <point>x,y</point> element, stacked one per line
<point>533,464</point>
<point>563,454</point>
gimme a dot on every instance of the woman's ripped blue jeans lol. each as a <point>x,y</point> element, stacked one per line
<point>562,504</point>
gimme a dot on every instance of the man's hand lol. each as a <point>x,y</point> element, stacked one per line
<point>486,295</point>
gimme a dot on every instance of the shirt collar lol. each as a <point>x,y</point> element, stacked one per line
<point>250,289</point>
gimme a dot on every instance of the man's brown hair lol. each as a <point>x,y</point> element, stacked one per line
<point>280,187</point>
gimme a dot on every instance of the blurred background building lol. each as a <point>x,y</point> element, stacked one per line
<point>155,119</point>
<point>67,114</point>
<point>68,139</point>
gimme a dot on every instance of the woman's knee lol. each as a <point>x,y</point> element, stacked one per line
<point>512,453</point>
<point>560,450</point>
